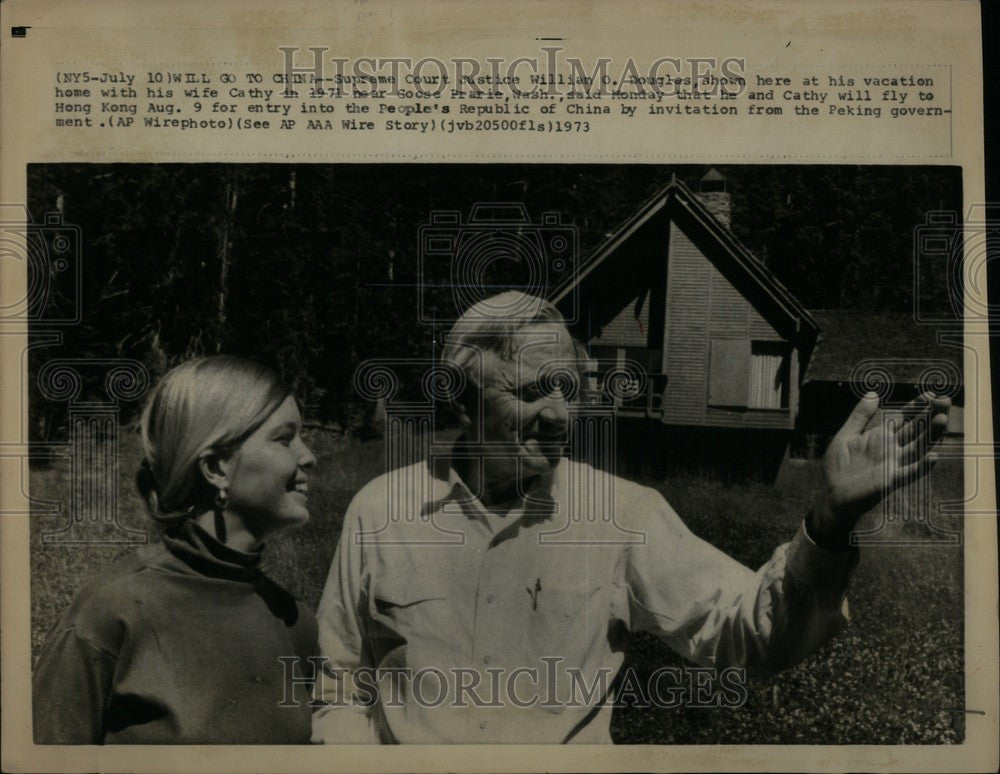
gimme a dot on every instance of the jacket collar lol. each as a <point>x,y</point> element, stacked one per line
<point>203,553</point>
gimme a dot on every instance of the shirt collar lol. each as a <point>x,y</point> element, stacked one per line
<point>538,503</point>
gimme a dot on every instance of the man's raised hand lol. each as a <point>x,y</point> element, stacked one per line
<point>865,460</point>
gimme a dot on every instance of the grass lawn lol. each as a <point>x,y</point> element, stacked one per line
<point>884,680</point>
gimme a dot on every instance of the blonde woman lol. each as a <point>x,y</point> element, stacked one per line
<point>180,642</point>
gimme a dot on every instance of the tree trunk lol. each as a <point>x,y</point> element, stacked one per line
<point>231,195</point>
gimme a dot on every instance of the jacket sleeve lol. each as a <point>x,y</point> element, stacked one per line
<point>714,611</point>
<point>70,690</point>
<point>340,719</point>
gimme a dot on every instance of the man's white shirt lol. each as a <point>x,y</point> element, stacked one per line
<point>444,622</point>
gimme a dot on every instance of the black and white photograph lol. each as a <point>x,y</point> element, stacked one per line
<point>535,453</point>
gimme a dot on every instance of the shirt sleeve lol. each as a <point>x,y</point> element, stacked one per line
<point>716,612</point>
<point>339,719</point>
<point>70,690</point>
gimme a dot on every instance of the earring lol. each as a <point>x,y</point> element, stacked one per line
<point>221,499</point>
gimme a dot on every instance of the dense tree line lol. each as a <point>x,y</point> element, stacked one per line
<point>313,268</point>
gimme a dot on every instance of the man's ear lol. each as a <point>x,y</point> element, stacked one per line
<point>464,420</point>
<point>215,468</point>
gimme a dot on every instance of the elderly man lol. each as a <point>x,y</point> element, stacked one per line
<point>487,596</point>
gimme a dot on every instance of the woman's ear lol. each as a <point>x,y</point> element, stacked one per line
<point>215,468</point>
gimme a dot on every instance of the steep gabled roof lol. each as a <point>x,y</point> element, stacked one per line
<point>681,204</point>
<point>887,340</point>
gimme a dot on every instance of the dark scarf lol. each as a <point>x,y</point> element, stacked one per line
<point>204,554</point>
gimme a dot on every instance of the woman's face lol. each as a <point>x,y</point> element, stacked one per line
<point>268,472</point>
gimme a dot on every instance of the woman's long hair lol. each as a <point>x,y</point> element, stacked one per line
<point>209,404</point>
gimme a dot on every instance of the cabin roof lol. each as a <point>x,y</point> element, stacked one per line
<point>680,203</point>
<point>894,341</point>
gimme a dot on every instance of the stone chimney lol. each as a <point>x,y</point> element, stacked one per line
<point>713,194</point>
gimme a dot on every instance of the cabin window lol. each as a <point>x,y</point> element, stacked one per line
<point>728,373</point>
<point>648,361</point>
<point>769,365</point>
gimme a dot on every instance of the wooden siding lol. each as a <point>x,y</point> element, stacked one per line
<point>702,305</point>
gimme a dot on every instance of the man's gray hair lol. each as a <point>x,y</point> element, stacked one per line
<point>490,325</point>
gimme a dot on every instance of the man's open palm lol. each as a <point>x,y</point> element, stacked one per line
<point>866,460</point>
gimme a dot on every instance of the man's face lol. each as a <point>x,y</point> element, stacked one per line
<point>525,415</point>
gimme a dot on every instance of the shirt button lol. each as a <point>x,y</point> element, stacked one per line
<point>486,659</point>
<point>489,598</point>
<point>482,724</point>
